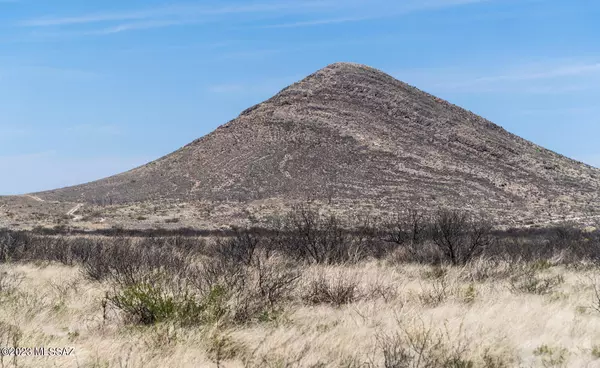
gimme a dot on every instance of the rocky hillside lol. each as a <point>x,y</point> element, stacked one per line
<point>350,133</point>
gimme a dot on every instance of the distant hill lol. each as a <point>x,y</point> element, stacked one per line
<point>352,133</point>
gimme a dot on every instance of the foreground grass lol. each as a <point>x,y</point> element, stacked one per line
<point>371,314</point>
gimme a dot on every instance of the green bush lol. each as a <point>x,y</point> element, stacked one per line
<point>144,303</point>
<point>552,356</point>
<point>150,304</point>
<point>529,282</point>
<point>214,305</point>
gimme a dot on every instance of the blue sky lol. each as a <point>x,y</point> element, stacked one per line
<point>93,88</point>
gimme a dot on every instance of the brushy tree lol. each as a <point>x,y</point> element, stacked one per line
<point>459,236</point>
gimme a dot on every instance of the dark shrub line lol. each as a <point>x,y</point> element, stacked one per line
<point>306,236</point>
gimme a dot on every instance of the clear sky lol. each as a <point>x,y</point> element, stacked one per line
<point>93,88</point>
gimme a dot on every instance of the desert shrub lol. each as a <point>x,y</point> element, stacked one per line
<point>12,244</point>
<point>381,290</point>
<point>490,360</point>
<point>9,282</point>
<point>482,268</point>
<point>395,353</point>
<point>254,291</point>
<point>10,336</point>
<point>336,291</point>
<point>460,237</point>
<point>268,283</point>
<point>436,272</point>
<point>530,282</point>
<point>214,305</point>
<point>308,236</point>
<point>565,244</point>
<point>596,352</point>
<point>275,280</point>
<point>154,302</point>
<point>409,226</point>
<point>551,356</point>
<point>223,348</point>
<point>565,235</point>
<point>469,294</point>
<point>126,262</point>
<point>212,271</point>
<point>410,233</point>
<point>436,292</point>
<point>239,248</point>
<point>423,347</point>
<point>596,298</point>
<point>145,303</point>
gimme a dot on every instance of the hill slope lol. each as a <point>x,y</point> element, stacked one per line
<point>352,133</point>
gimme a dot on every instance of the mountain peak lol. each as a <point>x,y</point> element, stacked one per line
<point>346,69</point>
<point>347,66</point>
<point>353,135</point>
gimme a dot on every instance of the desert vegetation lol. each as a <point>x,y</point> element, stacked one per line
<point>443,289</point>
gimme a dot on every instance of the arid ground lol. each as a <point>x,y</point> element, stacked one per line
<point>441,316</point>
<point>417,291</point>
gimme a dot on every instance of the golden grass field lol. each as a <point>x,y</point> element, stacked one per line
<point>392,315</point>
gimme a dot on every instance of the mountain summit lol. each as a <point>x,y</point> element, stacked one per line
<point>354,134</point>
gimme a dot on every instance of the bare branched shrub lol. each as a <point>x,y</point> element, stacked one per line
<point>436,292</point>
<point>269,283</point>
<point>9,283</point>
<point>308,236</point>
<point>275,279</point>
<point>337,291</point>
<point>254,291</point>
<point>382,290</point>
<point>483,268</point>
<point>596,298</point>
<point>460,237</point>
<point>126,262</point>
<point>423,347</point>
<point>13,245</point>
<point>239,248</point>
<point>10,337</point>
<point>407,227</point>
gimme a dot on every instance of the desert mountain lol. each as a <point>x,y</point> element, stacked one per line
<point>350,133</point>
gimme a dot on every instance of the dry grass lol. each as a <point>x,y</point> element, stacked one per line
<point>398,316</point>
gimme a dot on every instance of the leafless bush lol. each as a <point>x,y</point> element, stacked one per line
<point>9,283</point>
<point>275,279</point>
<point>460,237</point>
<point>596,299</point>
<point>423,347</point>
<point>382,290</point>
<point>436,292</point>
<point>10,336</point>
<point>337,291</point>
<point>254,291</point>
<point>483,268</point>
<point>13,245</point>
<point>315,238</point>
<point>239,248</point>
<point>269,283</point>
<point>406,228</point>
<point>127,262</point>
